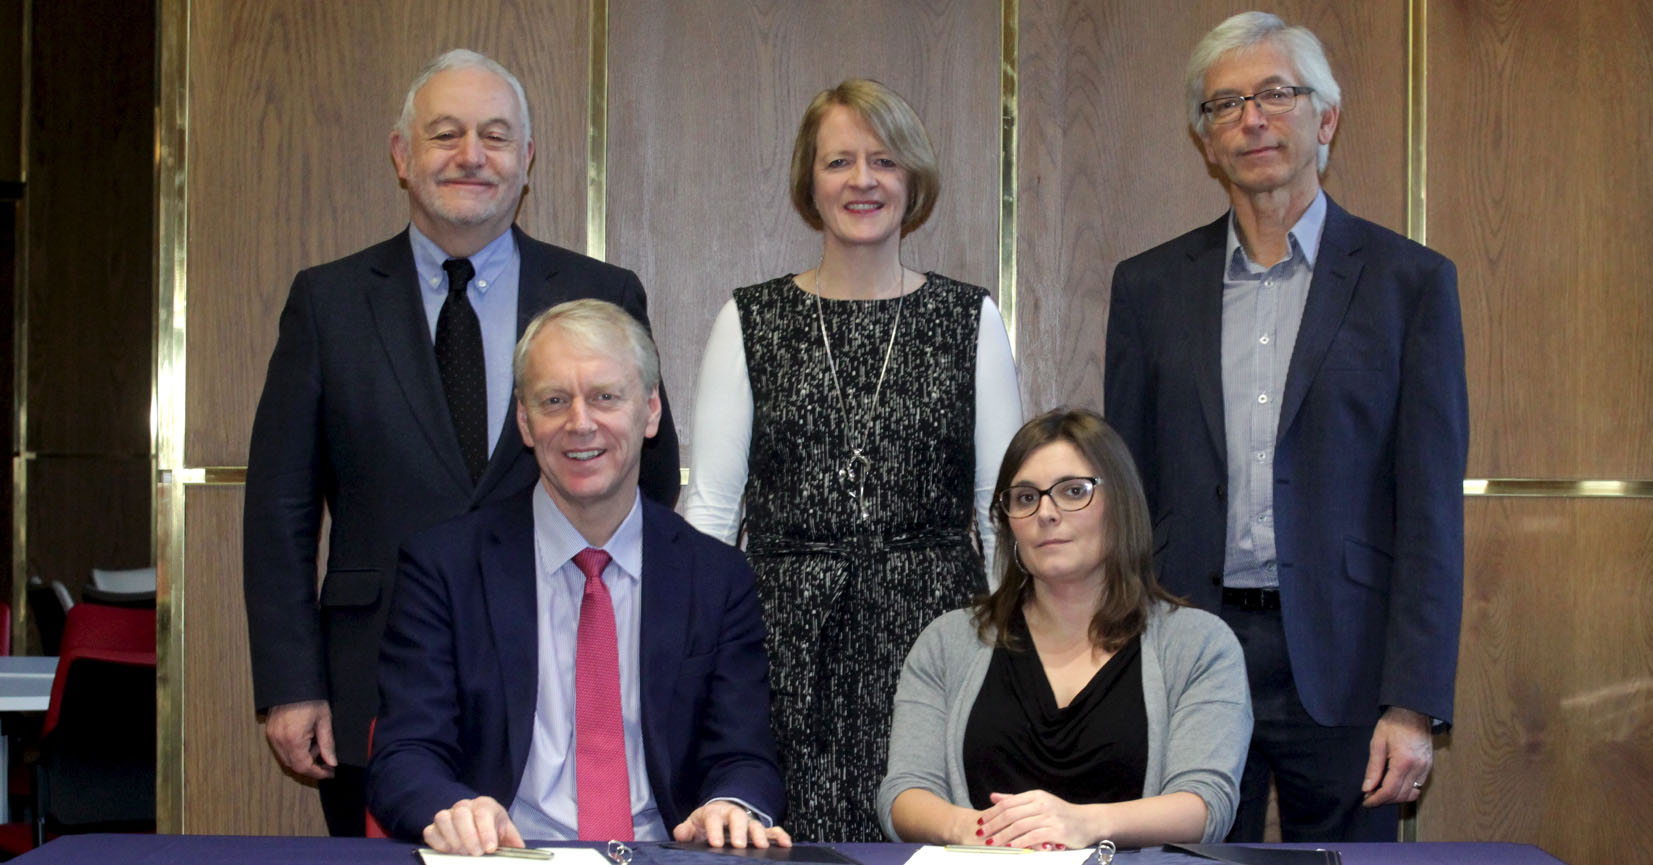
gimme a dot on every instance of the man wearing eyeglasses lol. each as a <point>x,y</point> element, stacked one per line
<point>1290,379</point>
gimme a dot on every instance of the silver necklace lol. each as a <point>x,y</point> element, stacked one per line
<point>853,473</point>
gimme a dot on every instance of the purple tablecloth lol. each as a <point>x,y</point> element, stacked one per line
<point>248,850</point>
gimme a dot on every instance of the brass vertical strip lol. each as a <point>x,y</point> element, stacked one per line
<point>596,136</point>
<point>167,407</point>
<point>1417,212</point>
<point>1417,121</point>
<point>20,347</point>
<point>1009,63</point>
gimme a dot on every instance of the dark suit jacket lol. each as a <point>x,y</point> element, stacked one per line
<point>353,417</point>
<point>460,666</point>
<point>1368,465</point>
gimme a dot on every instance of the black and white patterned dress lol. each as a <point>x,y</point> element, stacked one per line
<point>843,598</point>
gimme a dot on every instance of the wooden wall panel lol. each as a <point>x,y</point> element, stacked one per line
<point>232,783</point>
<point>291,106</point>
<point>1539,191</point>
<point>1108,166</point>
<point>704,104</point>
<point>11,89</point>
<point>90,201</point>
<point>1553,742</point>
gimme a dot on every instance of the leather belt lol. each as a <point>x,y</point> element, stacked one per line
<point>1252,600</point>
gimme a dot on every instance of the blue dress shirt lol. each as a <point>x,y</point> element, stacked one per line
<point>1262,310</point>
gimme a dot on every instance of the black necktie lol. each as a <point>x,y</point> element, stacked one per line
<point>459,359</point>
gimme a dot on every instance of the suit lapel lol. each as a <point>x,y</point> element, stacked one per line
<point>1205,341</point>
<point>510,593</point>
<point>399,320</point>
<point>1336,271</point>
<point>664,637</point>
<point>535,274</point>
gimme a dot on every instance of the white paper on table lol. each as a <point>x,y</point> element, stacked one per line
<point>931,854</point>
<point>559,856</point>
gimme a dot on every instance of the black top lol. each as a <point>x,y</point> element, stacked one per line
<point>1095,749</point>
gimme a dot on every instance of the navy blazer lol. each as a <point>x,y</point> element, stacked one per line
<point>459,672</point>
<point>353,419</point>
<point>1368,466</point>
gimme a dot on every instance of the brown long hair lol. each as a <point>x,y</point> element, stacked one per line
<point>1129,585</point>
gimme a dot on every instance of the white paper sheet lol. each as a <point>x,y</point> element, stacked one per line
<point>560,856</point>
<point>955,855</point>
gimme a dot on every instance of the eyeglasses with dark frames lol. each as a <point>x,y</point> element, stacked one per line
<point>1275,100</point>
<point>1068,494</point>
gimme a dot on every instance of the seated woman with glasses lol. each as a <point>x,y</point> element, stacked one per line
<point>1079,702</point>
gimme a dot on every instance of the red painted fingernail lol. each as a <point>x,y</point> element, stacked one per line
<point>990,842</point>
<point>978,821</point>
<point>1047,845</point>
<point>978,833</point>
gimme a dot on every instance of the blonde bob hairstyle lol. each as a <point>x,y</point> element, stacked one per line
<point>896,125</point>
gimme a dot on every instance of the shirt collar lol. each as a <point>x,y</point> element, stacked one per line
<point>489,261</point>
<point>1303,239</point>
<point>558,540</point>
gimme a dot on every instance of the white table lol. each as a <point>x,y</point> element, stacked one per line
<point>25,686</point>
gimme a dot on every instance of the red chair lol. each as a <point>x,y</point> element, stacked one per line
<point>15,838</point>
<point>97,748</point>
<point>374,830</point>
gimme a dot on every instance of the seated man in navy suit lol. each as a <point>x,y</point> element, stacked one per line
<point>576,662</point>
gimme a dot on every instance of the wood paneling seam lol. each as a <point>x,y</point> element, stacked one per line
<point>1417,121</point>
<point>171,294</point>
<point>596,140</point>
<point>1009,45</point>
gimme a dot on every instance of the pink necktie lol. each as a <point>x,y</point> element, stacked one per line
<point>604,792</point>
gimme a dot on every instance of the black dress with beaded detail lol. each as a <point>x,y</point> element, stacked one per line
<point>845,596</point>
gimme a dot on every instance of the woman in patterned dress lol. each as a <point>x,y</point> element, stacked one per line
<point>857,411</point>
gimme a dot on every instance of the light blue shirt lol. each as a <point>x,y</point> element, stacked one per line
<point>546,805</point>
<point>1262,311</point>
<point>493,294</point>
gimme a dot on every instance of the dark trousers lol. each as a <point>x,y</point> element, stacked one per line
<point>344,801</point>
<point>1317,770</point>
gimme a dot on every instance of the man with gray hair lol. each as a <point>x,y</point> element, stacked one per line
<point>576,661</point>
<point>1290,379</point>
<point>387,404</point>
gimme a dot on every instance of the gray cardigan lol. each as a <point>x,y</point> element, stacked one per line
<point>1193,682</point>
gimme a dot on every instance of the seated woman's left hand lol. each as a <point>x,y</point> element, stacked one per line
<point>1036,820</point>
